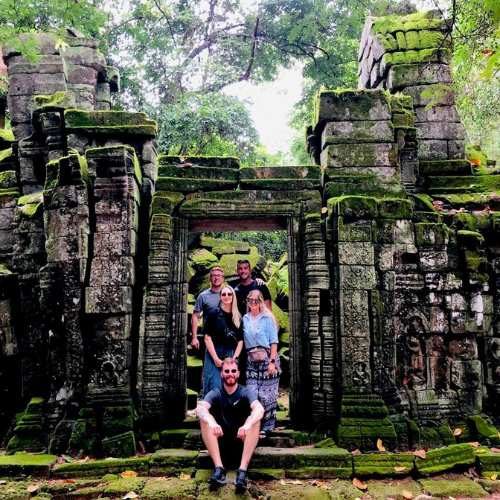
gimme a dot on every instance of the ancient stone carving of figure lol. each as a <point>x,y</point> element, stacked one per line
<point>464,348</point>
<point>360,375</point>
<point>416,368</point>
<point>438,364</point>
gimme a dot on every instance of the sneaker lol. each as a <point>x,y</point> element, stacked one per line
<point>241,481</point>
<point>218,478</point>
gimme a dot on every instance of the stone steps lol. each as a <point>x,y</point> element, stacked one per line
<point>267,463</point>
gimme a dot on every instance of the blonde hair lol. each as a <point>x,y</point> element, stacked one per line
<point>216,268</point>
<point>235,313</point>
<point>257,294</point>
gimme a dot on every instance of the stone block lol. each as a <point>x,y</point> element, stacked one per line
<point>432,149</point>
<point>108,299</point>
<point>354,231</point>
<point>395,208</point>
<point>121,445</point>
<point>443,459</point>
<point>357,277</point>
<point>356,207</point>
<point>29,84</point>
<point>355,253</point>
<point>359,155</point>
<point>446,114</point>
<point>431,235</point>
<point>355,316</point>
<point>383,464</point>
<point>352,105</point>
<point>357,132</point>
<point>433,95</point>
<point>84,75</point>
<point>405,75</point>
<point>456,149</point>
<point>433,260</point>
<point>440,130</point>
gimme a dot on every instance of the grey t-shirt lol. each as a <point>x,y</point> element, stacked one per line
<point>207,302</point>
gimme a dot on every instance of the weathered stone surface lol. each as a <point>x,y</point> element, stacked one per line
<point>441,130</point>
<point>446,114</point>
<point>358,155</point>
<point>357,132</point>
<point>405,75</point>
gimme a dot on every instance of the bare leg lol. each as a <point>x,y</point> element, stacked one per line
<point>212,444</point>
<point>251,440</point>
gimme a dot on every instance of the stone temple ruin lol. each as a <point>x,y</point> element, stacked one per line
<point>393,244</point>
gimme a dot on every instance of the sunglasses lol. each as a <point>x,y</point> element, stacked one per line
<point>253,301</point>
<point>226,294</point>
<point>227,370</point>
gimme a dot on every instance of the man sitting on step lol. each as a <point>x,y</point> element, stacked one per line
<point>230,424</point>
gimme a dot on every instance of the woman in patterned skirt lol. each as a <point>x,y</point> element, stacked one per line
<point>260,333</point>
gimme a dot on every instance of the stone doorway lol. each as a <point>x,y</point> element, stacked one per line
<point>195,227</point>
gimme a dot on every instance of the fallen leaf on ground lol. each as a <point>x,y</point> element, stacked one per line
<point>457,432</point>
<point>420,453</point>
<point>380,445</point>
<point>493,477</point>
<point>129,473</point>
<point>2,481</point>
<point>184,477</point>
<point>32,488</point>
<point>399,468</point>
<point>359,484</point>
<point>407,494</point>
<point>131,494</point>
<point>356,452</point>
<point>474,444</point>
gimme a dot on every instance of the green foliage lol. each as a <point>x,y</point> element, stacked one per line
<point>27,16</point>
<point>476,64</point>
<point>207,124</point>
<point>335,65</point>
<point>271,244</point>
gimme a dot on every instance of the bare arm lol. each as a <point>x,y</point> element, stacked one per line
<point>269,304</point>
<point>254,417</point>
<point>211,350</point>
<point>238,349</point>
<point>195,319</point>
<point>202,410</point>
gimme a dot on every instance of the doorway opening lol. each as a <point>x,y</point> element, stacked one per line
<point>265,245</point>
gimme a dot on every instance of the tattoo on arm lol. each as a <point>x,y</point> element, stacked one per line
<point>256,414</point>
<point>202,410</point>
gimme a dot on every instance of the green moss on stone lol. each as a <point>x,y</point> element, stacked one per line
<point>22,463</point>
<point>325,443</point>
<point>97,468</point>
<point>414,21</point>
<point>464,488</point>
<point>8,179</point>
<point>395,208</point>
<point>202,161</point>
<point>109,122</point>
<point>62,99</point>
<point>446,458</point>
<point>484,430</point>
<point>124,485</point>
<point>361,207</point>
<point>5,154</point>
<point>7,135</point>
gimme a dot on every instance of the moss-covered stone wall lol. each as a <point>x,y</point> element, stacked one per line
<point>393,255</point>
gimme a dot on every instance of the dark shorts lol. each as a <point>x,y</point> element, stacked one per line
<point>231,448</point>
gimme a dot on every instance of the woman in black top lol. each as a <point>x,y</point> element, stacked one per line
<point>223,338</point>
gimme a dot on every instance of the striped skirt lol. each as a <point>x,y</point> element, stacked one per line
<point>266,388</point>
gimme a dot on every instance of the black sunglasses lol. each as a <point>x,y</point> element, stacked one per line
<point>225,294</point>
<point>227,370</point>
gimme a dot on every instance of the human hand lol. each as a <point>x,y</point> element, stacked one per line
<point>218,362</point>
<point>259,281</point>
<point>242,432</point>
<point>195,342</point>
<point>271,369</point>
<point>216,430</point>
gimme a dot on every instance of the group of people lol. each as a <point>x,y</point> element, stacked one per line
<point>241,337</point>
